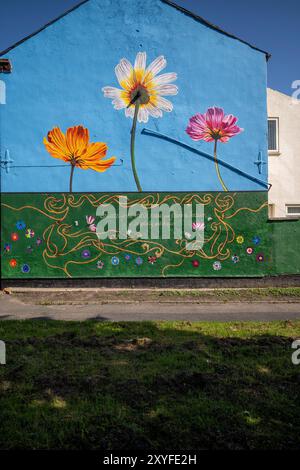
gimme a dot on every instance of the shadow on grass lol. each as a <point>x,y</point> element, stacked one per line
<point>149,386</point>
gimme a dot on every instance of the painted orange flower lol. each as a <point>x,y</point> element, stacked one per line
<point>74,148</point>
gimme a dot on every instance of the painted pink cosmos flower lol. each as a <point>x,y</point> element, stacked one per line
<point>213,125</point>
<point>90,219</point>
<point>198,226</point>
<point>93,228</point>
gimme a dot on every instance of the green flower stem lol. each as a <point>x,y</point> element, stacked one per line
<point>217,167</point>
<point>132,146</point>
<point>71,176</point>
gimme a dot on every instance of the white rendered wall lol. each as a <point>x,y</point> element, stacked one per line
<point>284,167</point>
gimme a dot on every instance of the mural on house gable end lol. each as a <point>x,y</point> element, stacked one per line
<point>142,95</point>
<point>132,235</point>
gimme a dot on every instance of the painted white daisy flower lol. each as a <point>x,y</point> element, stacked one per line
<point>143,84</point>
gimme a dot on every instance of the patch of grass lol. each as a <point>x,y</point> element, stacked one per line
<point>237,294</point>
<point>149,385</point>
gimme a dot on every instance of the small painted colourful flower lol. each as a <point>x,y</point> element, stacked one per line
<point>14,237</point>
<point>90,219</point>
<point>29,249</point>
<point>209,219</point>
<point>139,260</point>
<point>93,228</point>
<point>76,223</point>
<point>256,240</point>
<point>13,263</point>
<point>39,241</point>
<point>249,250</point>
<point>29,233</point>
<point>86,254</point>
<point>240,239</point>
<point>260,258</point>
<point>217,266</point>
<point>115,261</point>
<point>152,259</point>
<point>7,247</point>
<point>188,235</point>
<point>198,226</point>
<point>25,268</point>
<point>20,225</point>
<point>195,263</point>
<point>127,257</point>
<point>100,264</point>
<point>235,259</point>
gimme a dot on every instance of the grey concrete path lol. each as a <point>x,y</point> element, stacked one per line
<point>12,308</point>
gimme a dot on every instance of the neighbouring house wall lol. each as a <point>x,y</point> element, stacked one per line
<point>284,168</point>
<point>58,75</point>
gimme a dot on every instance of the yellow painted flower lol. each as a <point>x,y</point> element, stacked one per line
<point>240,239</point>
<point>74,147</point>
<point>142,84</point>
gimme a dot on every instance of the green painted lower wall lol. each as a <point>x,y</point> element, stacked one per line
<point>47,236</point>
<point>285,241</point>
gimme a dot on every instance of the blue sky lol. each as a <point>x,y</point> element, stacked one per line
<point>272,25</point>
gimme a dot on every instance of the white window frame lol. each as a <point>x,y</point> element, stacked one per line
<point>277,151</point>
<point>296,214</point>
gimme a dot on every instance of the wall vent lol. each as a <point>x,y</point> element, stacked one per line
<point>5,66</point>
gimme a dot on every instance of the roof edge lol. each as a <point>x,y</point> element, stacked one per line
<point>212,26</point>
<point>167,2</point>
<point>280,92</point>
<point>42,28</point>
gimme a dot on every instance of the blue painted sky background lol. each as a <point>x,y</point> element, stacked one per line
<point>272,25</point>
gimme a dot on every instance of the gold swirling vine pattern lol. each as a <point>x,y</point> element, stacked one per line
<point>63,241</point>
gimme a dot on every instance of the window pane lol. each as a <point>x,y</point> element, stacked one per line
<point>272,133</point>
<point>293,209</point>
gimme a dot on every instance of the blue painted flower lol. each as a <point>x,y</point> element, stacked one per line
<point>127,257</point>
<point>256,240</point>
<point>115,261</point>
<point>235,259</point>
<point>86,254</point>
<point>7,247</point>
<point>139,261</point>
<point>20,225</point>
<point>25,268</point>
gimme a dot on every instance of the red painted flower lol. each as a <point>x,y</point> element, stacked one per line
<point>152,259</point>
<point>213,125</point>
<point>195,263</point>
<point>13,263</point>
<point>14,237</point>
